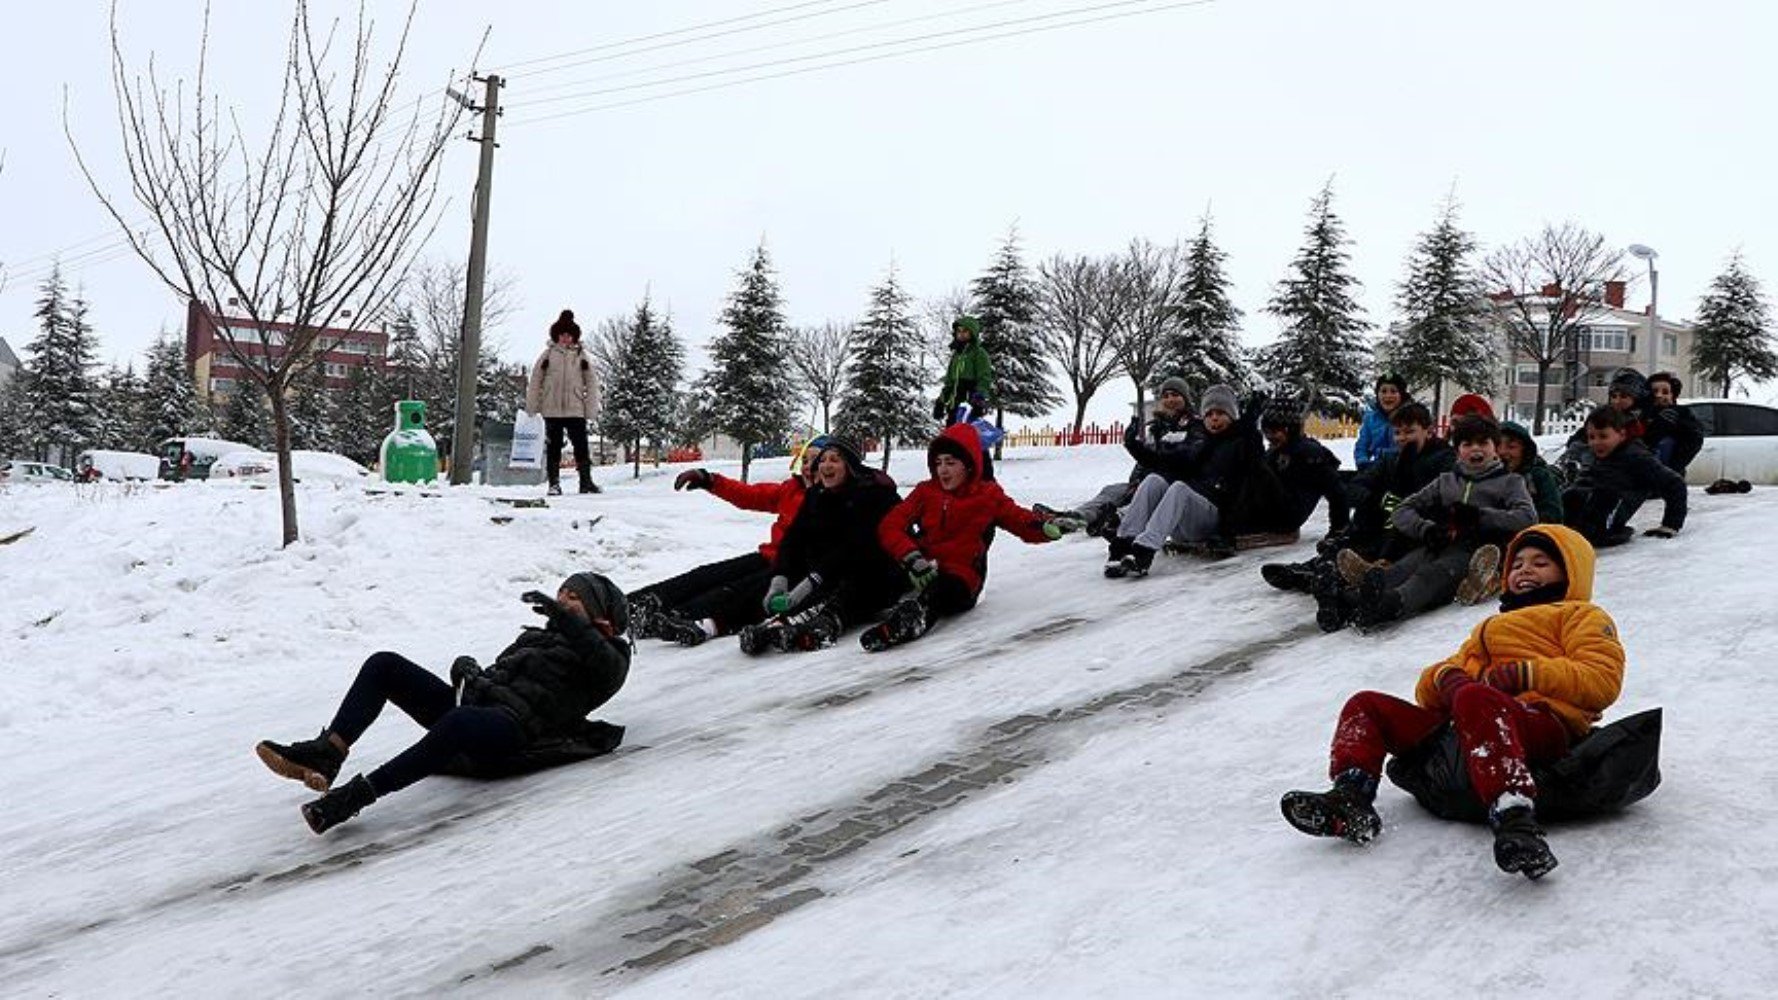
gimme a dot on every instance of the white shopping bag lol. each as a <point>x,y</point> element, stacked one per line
<point>527,442</point>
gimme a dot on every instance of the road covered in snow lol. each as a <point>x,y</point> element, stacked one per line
<point>1071,791</point>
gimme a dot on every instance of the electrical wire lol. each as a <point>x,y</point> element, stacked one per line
<point>955,43</point>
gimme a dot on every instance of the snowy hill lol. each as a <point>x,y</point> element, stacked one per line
<point>1070,792</point>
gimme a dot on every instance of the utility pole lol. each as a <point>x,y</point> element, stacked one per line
<point>469,351</point>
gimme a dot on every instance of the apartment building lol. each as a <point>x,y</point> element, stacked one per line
<point>216,369</point>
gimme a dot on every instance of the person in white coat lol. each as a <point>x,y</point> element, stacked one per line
<point>564,390</point>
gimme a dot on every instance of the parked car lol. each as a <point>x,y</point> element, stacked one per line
<point>18,470</point>
<point>191,457</point>
<point>1740,442</point>
<point>102,464</point>
<point>309,466</point>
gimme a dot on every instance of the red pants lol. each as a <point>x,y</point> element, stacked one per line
<point>1500,736</point>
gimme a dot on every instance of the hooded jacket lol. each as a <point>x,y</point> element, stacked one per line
<point>835,531</point>
<point>1541,480</point>
<point>969,371</point>
<point>1505,504</point>
<point>563,383</point>
<point>783,498</point>
<point>1632,470</point>
<point>1376,436</point>
<point>953,528</point>
<point>550,678</point>
<point>1377,490</point>
<point>1215,466</point>
<point>1287,484</point>
<point>1572,645</point>
<point>1162,434</point>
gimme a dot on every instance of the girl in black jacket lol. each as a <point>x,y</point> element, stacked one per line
<point>537,691</point>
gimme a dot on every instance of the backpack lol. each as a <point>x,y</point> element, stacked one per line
<point>1610,768</point>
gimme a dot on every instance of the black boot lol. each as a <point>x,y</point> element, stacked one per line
<point>907,621</point>
<point>339,805</point>
<point>770,634</point>
<point>1518,842</point>
<point>644,608</point>
<point>677,628</point>
<point>817,629</point>
<point>1294,577</point>
<point>555,488</point>
<point>586,482</point>
<point>1343,811</point>
<point>1333,603</point>
<point>314,762</point>
<point>1377,603</point>
<point>1114,559</point>
<point>1139,561</point>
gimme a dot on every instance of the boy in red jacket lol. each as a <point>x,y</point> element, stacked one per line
<point>721,598</point>
<point>940,535</point>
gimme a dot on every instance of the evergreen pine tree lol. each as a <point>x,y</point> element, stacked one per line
<point>1322,349</point>
<point>62,393</point>
<point>406,370</point>
<point>1444,335</point>
<point>1733,337</point>
<point>361,414</point>
<point>119,414</point>
<point>744,388</point>
<point>14,434</point>
<point>170,404</point>
<point>884,399</point>
<point>309,409</point>
<point>640,399</point>
<point>1205,348</point>
<point>247,417</point>
<point>1004,298</point>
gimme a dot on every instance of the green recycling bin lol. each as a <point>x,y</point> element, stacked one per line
<point>409,453</point>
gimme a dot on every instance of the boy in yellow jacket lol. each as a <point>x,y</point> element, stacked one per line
<point>1524,686</point>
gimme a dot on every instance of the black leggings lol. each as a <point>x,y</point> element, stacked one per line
<point>552,446</point>
<point>731,592</point>
<point>451,729</point>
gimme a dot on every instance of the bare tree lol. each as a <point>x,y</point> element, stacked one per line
<point>1544,289</point>
<point>319,218</point>
<point>819,355</point>
<point>1140,312</point>
<point>1072,297</point>
<point>435,288</point>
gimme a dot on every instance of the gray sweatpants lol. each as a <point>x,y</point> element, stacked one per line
<point>1426,579</point>
<point>1162,510</point>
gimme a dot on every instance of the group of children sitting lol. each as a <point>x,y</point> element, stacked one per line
<point>1424,520</point>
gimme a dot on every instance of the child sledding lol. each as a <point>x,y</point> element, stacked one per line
<point>1525,685</point>
<point>940,536</point>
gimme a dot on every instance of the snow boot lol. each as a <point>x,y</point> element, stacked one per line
<point>1377,604</point>
<point>1114,559</point>
<point>757,639</point>
<point>587,485</point>
<point>1138,562</point>
<point>1482,580</point>
<point>339,805</point>
<point>1518,842</point>
<point>555,489</point>
<point>815,631</point>
<point>1344,811</point>
<point>907,621</point>
<point>1333,603</point>
<point>678,629</point>
<point>1296,578</point>
<point>314,762</point>
<point>1352,566</point>
<point>1620,535</point>
<point>644,610</point>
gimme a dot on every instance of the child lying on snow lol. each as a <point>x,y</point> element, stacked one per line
<point>940,535</point>
<point>1524,686</point>
<point>539,689</point>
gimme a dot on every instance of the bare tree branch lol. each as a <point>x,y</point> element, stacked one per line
<point>1073,299</point>
<point>820,354</point>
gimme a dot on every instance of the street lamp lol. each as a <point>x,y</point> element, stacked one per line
<point>1648,254</point>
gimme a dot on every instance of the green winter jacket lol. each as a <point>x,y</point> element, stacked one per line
<point>970,371</point>
<point>1546,490</point>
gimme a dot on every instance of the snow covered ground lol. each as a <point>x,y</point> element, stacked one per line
<point>1071,792</point>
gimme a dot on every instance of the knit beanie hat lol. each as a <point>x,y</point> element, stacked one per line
<point>1471,405</point>
<point>849,451</point>
<point>1282,413</point>
<point>565,324</point>
<point>1221,397</point>
<point>602,598</point>
<point>1177,384</point>
<point>1629,382</point>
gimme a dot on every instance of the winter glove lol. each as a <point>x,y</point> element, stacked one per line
<point>777,591</point>
<point>1660,531</point>
<point>1053,531</point>
<point>692,479</point>
<point>921,570</point>
<point>1450,680</point>
<point>1466,517</point>
<point>560,618</point>
<point>1133,431</point>
<point>1510,677</point>
<point>1668,415</point>
<point>464,672</point>
<point>938,409</point>
<point>784,602</point>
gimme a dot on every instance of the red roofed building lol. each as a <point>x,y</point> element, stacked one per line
<point>216,370</point>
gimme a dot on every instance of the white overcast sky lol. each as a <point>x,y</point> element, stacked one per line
<point>1650,122</point>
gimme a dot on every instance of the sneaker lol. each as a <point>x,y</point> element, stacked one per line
<point>314,762</point>
<point>1293,577</point>
<point>1352,566</point>
<point>555,490</point>
<point>1341,811</point>
<point>1518,843</point>
<point>339,805</point>
<point>677,628</point>
<point>643,610</point>
<point>1482,580</point>
<point>1115,568</point>
<point>906,622</point>
<point>1138,562</point>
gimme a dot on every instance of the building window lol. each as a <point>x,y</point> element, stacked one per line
<point>222,385</point>
<point>1598,338</point>
<point>1527,375</point>
<point>1670,344</point>
<point>336,370</point>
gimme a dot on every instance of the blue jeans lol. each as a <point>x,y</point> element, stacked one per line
<point>451,729</point>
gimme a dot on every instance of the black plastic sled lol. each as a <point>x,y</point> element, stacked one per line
<point>1609,769</point>
<point>592,739</point>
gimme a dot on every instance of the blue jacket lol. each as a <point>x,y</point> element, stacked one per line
<point>1375,437</point>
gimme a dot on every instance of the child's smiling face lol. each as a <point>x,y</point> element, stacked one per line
<point>1477,453</point>
<point>1531,569</point>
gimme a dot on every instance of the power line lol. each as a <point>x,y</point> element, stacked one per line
<point>624,43</point>
<point>808,40</point>
<point>955,43</point>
